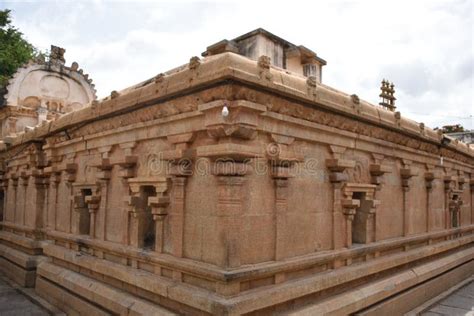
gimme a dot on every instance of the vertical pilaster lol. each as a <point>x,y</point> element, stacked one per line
<point>103,175</point>
<point>93,203</point>
<point>24,186</point>
<point>449,183</point>
<point>177,214</point>
<point>471,185</point>
<point>230,179</point>
<point>158,206</point>
<point>338,177</point>
<point>280,177</point>
<point>429,178</point>
<point>14,178</point>
<point>406,173</point>
<point>377,169</point>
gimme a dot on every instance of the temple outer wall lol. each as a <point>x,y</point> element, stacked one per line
<point>182,208</point>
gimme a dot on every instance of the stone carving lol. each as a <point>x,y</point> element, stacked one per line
<point>312,81</point>
<point>41,91</point>
<point>57,54</point>
<point>355,99</point>
<point>114,94</point>
<point>159,78</point>
<point>264,62</point>
<point>194,62</point>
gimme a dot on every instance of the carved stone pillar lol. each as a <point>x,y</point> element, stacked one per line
<point>158,206</point>
<point>449,186</point>
<point>230,177</point>
<point>103,175</point>
<point>41,184</point>
<point>4,189</point>
<point>136,214</point>
<point>180,159</point>
<point>54,177</point>
<point>93,204</point>
<point>281,158</point>
<point>361,209</point>
<point>232,125</point>
<point>429,178</point>
<point>337,165</point>
<point>139,203</point>
<point>471,185</point>
<point>406,173</point>
<point>79,207</point>
<point>11,129</point>
<point>127,164</point>
<point>25,178</point>
<point>377,170</point>
<point>14,180</point>
<point>280,177</point>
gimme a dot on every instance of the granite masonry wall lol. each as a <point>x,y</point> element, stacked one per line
<point>228,186</point>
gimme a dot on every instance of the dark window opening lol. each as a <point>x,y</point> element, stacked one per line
<point>148,222</point>
<point>84,216</point>
<point>454,213</point>
<point>359,223</point>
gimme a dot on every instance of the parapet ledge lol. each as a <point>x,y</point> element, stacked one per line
<point>212,69</point>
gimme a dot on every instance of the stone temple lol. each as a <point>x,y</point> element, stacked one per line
<point>42,91</point>
<point>238,183</point>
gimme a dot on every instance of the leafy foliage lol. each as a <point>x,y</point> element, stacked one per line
<point>14,49</point>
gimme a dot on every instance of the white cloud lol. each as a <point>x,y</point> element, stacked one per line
<point>425,47</point>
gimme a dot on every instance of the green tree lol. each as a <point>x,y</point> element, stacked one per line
<point>14,49</point>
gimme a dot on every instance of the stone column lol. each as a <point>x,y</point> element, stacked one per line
<point>233,127</point>
<point>406,174</point>
<point>4,188</point>
<point>429,178</point>
<point>70,177</point>
<point>349,207</point>
<point>449,184</point>
<point>471,185</point>
<point>135,214</point>
<point>176,220</point>
<point>158,206</point>
<point>24,181</point>
<point>180,158</point>
<point>14,179</point>
<point>56,179</point>
<point>177,212</point>
<point>337,165</point>
<point>103,175</point>
<point>377,170</point>
<point>93,203</point>
<point>280,176</point>
<point>41,183</point>
<point>230,177</point>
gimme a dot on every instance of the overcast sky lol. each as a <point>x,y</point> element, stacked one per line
<point>424,47</point>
